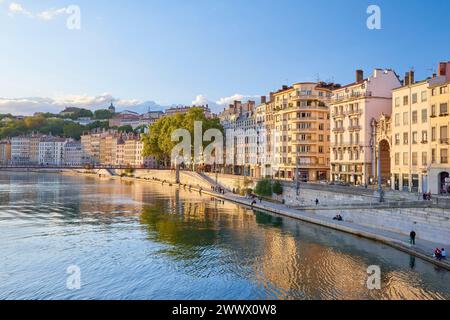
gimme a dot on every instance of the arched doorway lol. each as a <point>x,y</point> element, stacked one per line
<point>444,182</point>
<point>385,163</point>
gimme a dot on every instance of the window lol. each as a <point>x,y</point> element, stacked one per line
<point>424,136</point>
<point>405,118</point>
<point>443,109</point>
<point>405,159</point>
<point>443,90</point>
<point>433,111</point>
<point>397,159</point>
<point>444,134</point>
<point>397,139</point>
<point>433,155</point>
<point>414,158</point>
<point>397,119</point>
<point>433,134</point>
<point>424,96</point>
<point>414,137</point>
<point>397,102</point>
<point>424,159</point>
<point>414,117</point>
<point>444,158</point>
<point>414,98</point>
<point>405,138</point>
<point>405,100</point>
<point>424,115</point>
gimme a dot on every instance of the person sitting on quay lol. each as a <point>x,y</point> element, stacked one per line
<point>443,254</point>
<point>438,254</point>
<point>338,218</point>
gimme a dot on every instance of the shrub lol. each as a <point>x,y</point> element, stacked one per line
<point>277,188</point>
<point>264,188</point>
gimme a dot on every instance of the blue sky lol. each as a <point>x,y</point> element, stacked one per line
<point>172,51</point>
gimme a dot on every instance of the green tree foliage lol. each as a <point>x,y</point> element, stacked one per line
<point>45,125</point>
<point>82,113</point>
<point>277,188</point>
<point>103,114</point>
<point>157,142</point>
<point>264,188</point>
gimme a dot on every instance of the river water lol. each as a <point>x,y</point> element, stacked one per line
<point>135,240</point>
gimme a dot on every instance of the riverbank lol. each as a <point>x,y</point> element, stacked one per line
<point>423,249</point>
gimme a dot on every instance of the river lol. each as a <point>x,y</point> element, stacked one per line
<point>136,240</point>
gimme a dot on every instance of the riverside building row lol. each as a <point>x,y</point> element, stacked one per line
<point>375,127</point>
<point>106,148</point>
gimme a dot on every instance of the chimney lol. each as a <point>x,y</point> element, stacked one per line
<point>406,83</point>
<point>359,75</point>
<point>263,99</point>
<point>411,77</point>
<point>444,70</point>
<point>271,97</point>
<point>285,87</point>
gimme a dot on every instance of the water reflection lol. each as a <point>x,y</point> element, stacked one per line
<point>147,241</point>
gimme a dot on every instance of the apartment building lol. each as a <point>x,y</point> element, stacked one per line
<point>5,152</point>
<point>20,150</point>
<point>439,94</point>
<point>265,130</point>
<point>239,123</point>
<point>353,108</point>
<point>51,151</point>
<point>410,149</point>
<point>302,131</point>
<point>73,154</point>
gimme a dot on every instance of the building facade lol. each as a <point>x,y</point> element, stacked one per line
<point>5,152</point>
<point>410,136</point>
<point>301,136</point>
<point>439,93</point>
<point>353,109</point>
<point>73,154</point>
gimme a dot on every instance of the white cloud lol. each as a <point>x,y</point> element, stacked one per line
<point>51,13</point>
<point>237,97</point>
<point>16,8</point>
<point>30,105</point>
<point>200,100</point>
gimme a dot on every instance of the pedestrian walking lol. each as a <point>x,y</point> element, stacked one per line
<point>412,237</point>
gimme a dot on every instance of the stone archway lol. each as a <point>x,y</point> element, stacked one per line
<point>385,161</point>
<point>444,186</point>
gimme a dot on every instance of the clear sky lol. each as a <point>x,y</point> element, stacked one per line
<point>171,51</point>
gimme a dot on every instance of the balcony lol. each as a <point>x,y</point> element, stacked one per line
<point>351,96</point>
<point>338,115</point>
<point>444,141</point>
<point>354,128</point>
<point>338,130</point>
<point>352,113</point>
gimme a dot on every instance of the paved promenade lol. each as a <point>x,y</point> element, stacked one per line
<point>423,249</point>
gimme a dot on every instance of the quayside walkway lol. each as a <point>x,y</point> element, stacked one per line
<point>423,249</point>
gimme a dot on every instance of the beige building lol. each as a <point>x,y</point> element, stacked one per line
<point>420,137</point>
<point>410,150</point>
<point>353,109</point>
<point>439,93</point>
<point>5,152</point>
<point>302,131</point>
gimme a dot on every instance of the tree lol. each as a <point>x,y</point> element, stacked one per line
<point>125,129</point>
<point>73,130</point>
<point>158,142</point>
<point>277,188</point>
<point>264,188</point>
<point>103,114</point>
